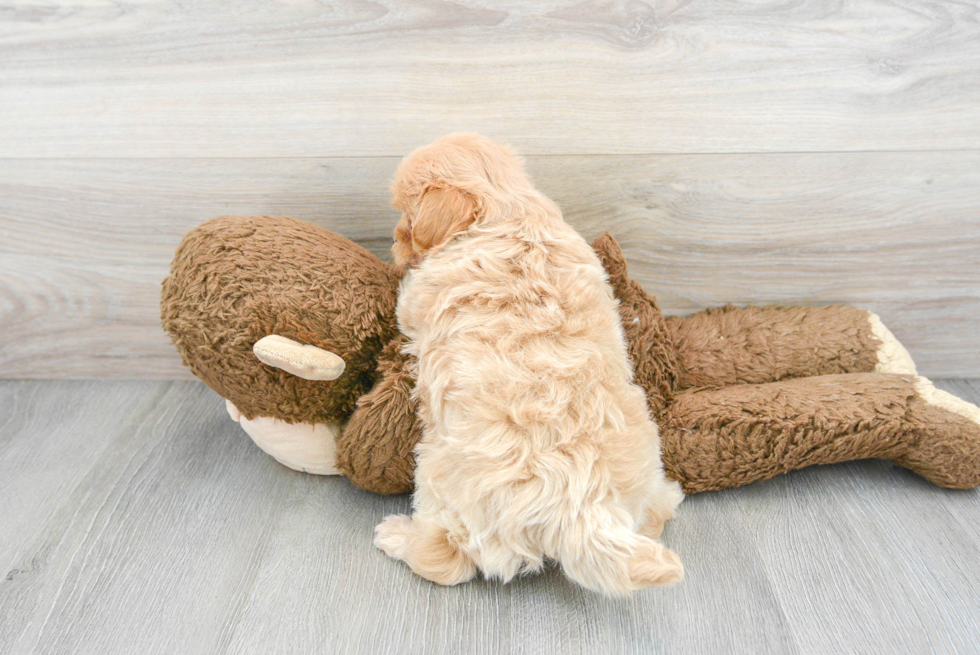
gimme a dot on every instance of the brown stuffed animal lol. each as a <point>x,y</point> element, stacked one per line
<point>294,326</point>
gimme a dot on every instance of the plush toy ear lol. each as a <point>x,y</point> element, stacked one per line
<point>443,212</point>
<point>302,360</point>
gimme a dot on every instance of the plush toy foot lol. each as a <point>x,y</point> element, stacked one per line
<point>892,355</point>
<point>306,447</point>
<point>947,452</point>
<point>720,438</point>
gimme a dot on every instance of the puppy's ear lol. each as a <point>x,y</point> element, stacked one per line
<point>443,212</point>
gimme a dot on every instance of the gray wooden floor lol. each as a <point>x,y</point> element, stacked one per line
<point>136,517</point>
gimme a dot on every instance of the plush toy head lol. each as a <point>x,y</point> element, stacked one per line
<point>235,280</point>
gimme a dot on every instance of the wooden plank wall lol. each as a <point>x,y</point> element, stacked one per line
<point>745,152</point>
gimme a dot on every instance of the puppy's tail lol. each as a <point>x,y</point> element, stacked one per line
<point>618,561</point>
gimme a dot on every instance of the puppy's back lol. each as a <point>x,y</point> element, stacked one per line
<point>524,377</point>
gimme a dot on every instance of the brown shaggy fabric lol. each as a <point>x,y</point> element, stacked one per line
<point>376,448</point>
<point>729,386</point>
<point>945,448</point>
<point>721,438</point>
<point>731,345</point>
<point>650,343</point>
<point>236,279</point>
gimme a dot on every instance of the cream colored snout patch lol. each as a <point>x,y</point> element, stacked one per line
<point>302,360</point>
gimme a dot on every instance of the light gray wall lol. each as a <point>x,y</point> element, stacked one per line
<point>800,153</point>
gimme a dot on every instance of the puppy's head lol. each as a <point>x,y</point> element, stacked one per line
<point>445,188</point>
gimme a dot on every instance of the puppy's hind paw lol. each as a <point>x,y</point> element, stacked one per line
<point>391,535</point>
<point>652,565</point>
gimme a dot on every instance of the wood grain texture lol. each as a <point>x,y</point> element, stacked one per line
<point>49,437</point>
<point>147,530</point>
<point>86,243</point>
<point>161,78</point>
<point>146,521</point>
<point>903,552</point>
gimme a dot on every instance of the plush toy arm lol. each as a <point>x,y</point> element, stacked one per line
<point>375,448</point>
<point>755,345</point>
<point>720,438</point>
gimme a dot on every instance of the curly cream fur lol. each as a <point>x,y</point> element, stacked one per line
<point>536,442</point>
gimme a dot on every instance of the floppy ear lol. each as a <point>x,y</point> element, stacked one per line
<point>443,212</point>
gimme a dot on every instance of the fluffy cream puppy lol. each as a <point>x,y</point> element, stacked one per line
<point>537,445</point>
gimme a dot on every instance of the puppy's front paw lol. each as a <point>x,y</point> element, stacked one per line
<point>392,534</point>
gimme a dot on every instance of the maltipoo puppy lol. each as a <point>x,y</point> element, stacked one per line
<point>537,445</point>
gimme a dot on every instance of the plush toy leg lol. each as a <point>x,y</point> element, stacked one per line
<point>755,345</point>
<point>307,447</point>
<point>952,457</point>
<point>715,439</point>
